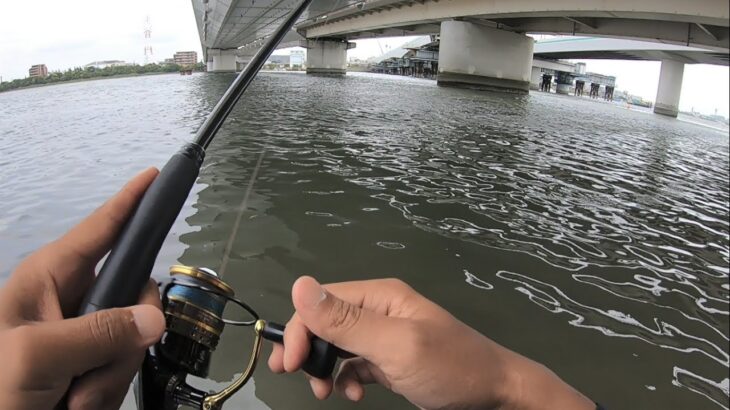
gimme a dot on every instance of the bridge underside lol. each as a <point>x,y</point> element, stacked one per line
<point>476,31</point>
<point>231,24</point>
<point>701,23</point>
<point>646,55</point>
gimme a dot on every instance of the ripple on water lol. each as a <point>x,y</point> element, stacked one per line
<point>391,245</point>
<point>613,222</point>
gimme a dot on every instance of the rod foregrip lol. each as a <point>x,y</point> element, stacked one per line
<point>322,355</point>
<point>129,265</point>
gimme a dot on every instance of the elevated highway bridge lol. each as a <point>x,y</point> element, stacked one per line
<point>473,32</point>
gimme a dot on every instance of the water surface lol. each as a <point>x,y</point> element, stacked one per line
<point>588,237</point>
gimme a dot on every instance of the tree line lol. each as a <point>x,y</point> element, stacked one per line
<point>79,73</point>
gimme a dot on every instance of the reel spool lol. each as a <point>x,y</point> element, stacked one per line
<point>193,301</point>
<point>193,307</point>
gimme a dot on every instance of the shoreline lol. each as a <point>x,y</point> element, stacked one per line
<point>79,80</point>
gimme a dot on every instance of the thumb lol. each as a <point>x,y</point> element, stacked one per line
<point>87,342</point>
<point>359,331</point>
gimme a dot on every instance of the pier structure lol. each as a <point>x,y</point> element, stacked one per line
<point>485,43</point>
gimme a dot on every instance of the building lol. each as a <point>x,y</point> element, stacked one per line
<point>417,58</point>
<point>296,58</point>
<point>185,58</point>
<point>38,70</point>
<point>106,63</point>
<point>278,60</point>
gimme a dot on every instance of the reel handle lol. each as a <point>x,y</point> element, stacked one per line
<point>322,355</point>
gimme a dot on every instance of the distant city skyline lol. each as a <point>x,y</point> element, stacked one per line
<point>71,34</point>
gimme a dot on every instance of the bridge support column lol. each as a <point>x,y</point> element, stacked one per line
<point>670,88</point>
<point>327,56</point>
<point>221,61</point>
<point>482,57</point>
<point>535,78</point>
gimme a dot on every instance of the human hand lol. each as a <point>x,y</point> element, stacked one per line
<point>43,351</point>
<point>415,348</point>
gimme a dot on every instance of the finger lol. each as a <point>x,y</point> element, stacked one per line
<point>81,248</point>
<point>351,377</point>
<point>89,341</point>
<point>296,348</point>
<point>93,236</point>
<point>151,295</point>
<point>106,386</point>
<point>349,327</point>
<point>276,359</point>
<point>296,344</point>
<point>321,388</point>
<point>383,296</point>
<point>356,372</point>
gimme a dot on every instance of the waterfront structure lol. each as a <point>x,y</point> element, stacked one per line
<point>296,59</point>
<point>278,60</point>
<point>420,58</point>
<point>38,70</point>
<point>185,58</point>
<point>417,58</point>
<point>106,63</point>
<point>499,54</point>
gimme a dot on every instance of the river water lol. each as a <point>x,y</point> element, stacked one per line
<point>591,238</point>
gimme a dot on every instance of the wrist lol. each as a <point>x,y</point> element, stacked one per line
<point>531,386</point>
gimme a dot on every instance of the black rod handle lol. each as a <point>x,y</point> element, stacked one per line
<point>322,355</point>
<point>129,265</point>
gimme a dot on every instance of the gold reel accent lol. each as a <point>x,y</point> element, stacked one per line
<point>215,401</point>
<point>203,274</point>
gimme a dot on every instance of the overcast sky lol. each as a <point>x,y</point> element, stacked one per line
<point>70,33</point>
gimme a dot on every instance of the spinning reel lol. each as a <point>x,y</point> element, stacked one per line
<point>193,301</point>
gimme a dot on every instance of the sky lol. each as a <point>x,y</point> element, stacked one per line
<point>66,34</point>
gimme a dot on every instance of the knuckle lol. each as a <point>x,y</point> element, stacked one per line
<point>343,315</point>
<point>397,284</point>
<point>104,327</point>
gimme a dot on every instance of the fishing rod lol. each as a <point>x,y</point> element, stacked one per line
<point>193,298</point>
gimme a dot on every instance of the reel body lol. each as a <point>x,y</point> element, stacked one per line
<point>193,301</point>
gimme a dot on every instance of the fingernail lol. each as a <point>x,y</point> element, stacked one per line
<point>313,385</point>
<point>351,393</point>
<point>313,294</point>
<point>149,322</point>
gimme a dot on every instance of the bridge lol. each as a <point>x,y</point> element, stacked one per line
<point>587,48</point>
<point>472,33</point>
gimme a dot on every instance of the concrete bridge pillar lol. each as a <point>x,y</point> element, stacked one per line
<point>476,56</point>
<point>221,61</point>
<point>670,88</point>
<point>327,56</point>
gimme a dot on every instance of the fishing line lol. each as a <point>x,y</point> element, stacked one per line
<point>249,189</point>
<point>242,208</point>
<point>193,298</point>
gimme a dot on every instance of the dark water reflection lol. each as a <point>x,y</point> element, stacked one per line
<point>585,236</point>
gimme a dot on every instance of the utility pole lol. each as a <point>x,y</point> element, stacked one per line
<point>147,41</point>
